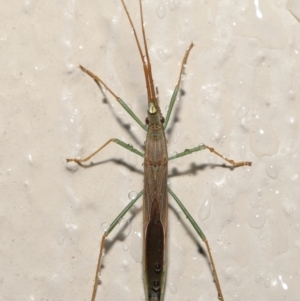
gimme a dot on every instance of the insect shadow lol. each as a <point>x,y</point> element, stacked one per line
<point>127,126</point>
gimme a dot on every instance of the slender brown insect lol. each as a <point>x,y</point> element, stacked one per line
<point>155,192</point>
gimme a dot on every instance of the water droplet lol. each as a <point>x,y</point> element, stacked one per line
<point>182,36</point>
<point>172,286</point>
<point>211,159</point>
<point>27,5</point>
<point>237,281</point>
<point>214,189</point>
<point>259,193</point>
<point>104,226</point>
<point>132,195</point>
<point>271,170</point>
<point>204,211</point>
<point>173,4</point>
<point>230,199</point>
<point>61,241</point>
<point>172,153</point>
<point>291,210</point>
<point>126,226</point>
<point>98,276</point>
<point>294,177</point>
<point>230,180</point>
<point>187,151</point>
<point>257,219</point>
<point>72,166</point>
<point>241,112</point>
<point>30,159</point>
<point>283,284</point>
<point>298,227</point>
<point>243,151</point>
<point>267,282</point>
<point>136,246</point>
<point>156,286</point>
<point>160,11</point>
<point>125,247</point>
<point>257,10</point>
<point>32,298</point>
<point>157,268</point>
<point>263,140</point>
<point>70,67</point>
<point>163,54</point>
<point>292,120</point>
<point>224,33</point>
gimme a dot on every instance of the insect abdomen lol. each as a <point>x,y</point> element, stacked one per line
<point>154,255</point>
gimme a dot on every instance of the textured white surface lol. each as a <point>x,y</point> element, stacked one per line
<point>241,97</point>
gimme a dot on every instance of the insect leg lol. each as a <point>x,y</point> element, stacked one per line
<point>202,236</point>
<point>111,227</point>
<point>174,95</point>
<point>203,146</point>
<point>235,164</point>
<point>119,100</point>
<point>121,143</point>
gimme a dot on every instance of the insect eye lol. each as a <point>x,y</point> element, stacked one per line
<point>147,120</point>
<point>162,120</point>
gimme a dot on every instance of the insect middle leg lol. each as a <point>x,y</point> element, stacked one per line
<point>202,147</point>
<point>171,105</point>
<point>115,140</point>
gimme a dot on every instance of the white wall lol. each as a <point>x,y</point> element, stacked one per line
<point>241,97</point>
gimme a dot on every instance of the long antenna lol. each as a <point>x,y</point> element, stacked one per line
<point>146,62</point>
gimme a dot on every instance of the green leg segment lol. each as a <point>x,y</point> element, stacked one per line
<point>188,152</point>
<point>111,227</point>
<point>171,105</point>
<point>119,142</point>
<point>132,114</point>
<point>187,214</point>
<point>129,147</point>
<point>202,236</point>
<point>124,211</point>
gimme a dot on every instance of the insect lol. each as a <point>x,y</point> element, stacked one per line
<point>156,190</point>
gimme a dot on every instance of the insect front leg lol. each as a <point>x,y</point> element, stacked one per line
<point>99,82</point>
<point>174,95</point>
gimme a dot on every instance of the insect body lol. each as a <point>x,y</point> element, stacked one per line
<point>155,202</point>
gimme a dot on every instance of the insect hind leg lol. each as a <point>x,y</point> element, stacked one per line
<point>106,233</point>
<point>202,236</point>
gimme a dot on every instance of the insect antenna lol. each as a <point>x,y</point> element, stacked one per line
<point>145,57</point>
